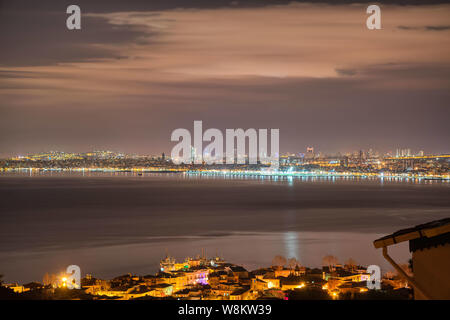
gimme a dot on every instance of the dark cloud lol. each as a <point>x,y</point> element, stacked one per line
<point>437,28</point>
<point>345,72</point>
<point>426,28</point>
<point>42,39</point>
<point>155,5</point>
<point>413,71</point>
<point>408,28</point>
<point>19,74</point>
<point>34,33</point>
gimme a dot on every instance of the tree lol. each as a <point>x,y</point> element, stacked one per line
<point>278,261</point>
<point>293,263</point>
<point>46,280</point>
<point>330,261</point>
<point>53,279</point>
<point>351,264</point>
<point>406,268</point>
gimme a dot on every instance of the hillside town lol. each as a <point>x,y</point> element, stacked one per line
<point>201,278</point>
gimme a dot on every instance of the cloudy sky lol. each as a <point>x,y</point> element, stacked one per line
<point>140,69</point>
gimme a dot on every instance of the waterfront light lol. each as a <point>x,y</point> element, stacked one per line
<point>64,281</point>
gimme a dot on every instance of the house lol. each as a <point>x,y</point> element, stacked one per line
<point>344,275</point>
<point>315,273</point>
<point>239,271</point>
<point>271,280</point>
<point>218,277</point>
<point>259,285</point>
<point>282,272</point>
<point>139,292</point>
<point>92,285</point>
<point>17,288</point>
<point>117,292</point>
<point>429,244</point>
<point>292,282</point>
<point>161,290</point>
<point>242,293</point>
<point>197,291</point>
<point>353,287</point>
<point>223,290</point>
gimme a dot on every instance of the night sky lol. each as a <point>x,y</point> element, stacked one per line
<point>140,69</point>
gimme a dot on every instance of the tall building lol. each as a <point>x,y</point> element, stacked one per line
<point>407,152</point>
<point>193,154</point>
<point>310,153</point>
<point>403,153</point>
<point>361,157</point>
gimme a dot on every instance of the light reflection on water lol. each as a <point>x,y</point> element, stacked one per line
<point>290,180</point>
<point>252,250</point>
<point>114,223</point>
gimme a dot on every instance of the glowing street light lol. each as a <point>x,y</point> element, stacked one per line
<point>64,281</point>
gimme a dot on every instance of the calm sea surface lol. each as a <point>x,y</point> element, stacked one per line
<point>111,224</point>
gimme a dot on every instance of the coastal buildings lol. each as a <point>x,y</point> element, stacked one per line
<point>201,278</point>
<point>361,163</point>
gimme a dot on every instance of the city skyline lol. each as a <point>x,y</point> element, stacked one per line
<point>394,152</point>
<point>137,71</point>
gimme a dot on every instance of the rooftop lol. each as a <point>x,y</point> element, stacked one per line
<point>426,230</point>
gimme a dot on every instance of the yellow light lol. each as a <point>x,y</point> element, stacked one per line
<point>64,279</point>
